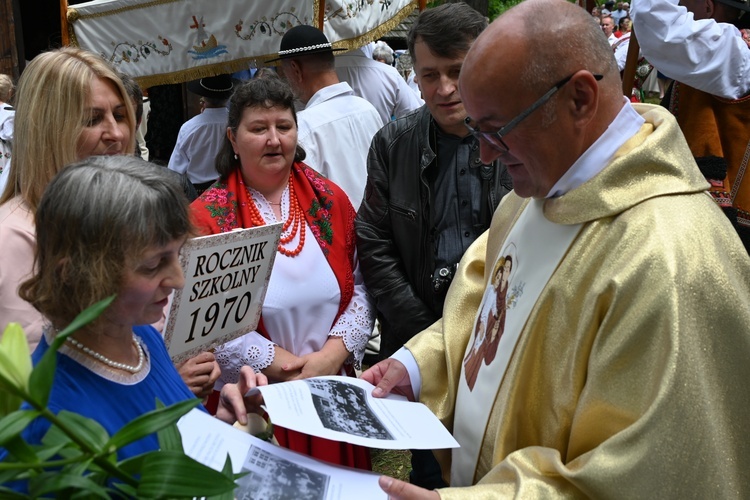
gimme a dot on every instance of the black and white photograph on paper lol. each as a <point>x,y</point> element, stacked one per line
<point>273,478</point>
<point>343,407</point>
<point>272,472</point>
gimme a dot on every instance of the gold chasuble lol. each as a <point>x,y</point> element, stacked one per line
<point>629,376</point>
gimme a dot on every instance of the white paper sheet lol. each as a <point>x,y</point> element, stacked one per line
<point>273,472</point>
<point>342,409</point>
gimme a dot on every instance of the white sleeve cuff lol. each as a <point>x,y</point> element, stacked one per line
<point>404,356</point>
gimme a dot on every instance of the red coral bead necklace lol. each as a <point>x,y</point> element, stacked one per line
<point>294,223</point>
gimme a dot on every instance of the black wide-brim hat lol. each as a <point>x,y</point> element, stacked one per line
<point>303,40</point>
<point>213,87</point>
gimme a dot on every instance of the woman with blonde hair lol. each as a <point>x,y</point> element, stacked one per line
<point>70,105</point>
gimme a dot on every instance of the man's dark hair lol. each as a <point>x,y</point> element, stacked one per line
<point>448,30</point>
<point>135,93</point>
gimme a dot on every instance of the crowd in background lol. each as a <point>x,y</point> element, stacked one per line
<point>388,191</point>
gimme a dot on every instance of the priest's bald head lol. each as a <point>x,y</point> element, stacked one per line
<point>538,102</point>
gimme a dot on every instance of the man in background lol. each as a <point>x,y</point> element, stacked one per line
<point>336,126</point>
<point>428,197</point>
<point>201,137</point>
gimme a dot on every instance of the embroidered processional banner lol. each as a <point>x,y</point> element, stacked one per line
<point>173,41</point>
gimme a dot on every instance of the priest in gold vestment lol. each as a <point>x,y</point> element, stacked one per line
<point>624,358</point>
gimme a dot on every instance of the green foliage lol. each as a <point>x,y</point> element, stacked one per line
<point>497,7</point>
<point>77,458</point>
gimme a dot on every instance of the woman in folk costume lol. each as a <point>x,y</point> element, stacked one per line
<point>317,316</point>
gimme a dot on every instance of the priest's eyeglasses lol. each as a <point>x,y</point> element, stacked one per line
<point>495,139</point>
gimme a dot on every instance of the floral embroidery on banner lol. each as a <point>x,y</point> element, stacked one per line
<point>351,10</point>
<point>131,52</point>
<point>221,207</point>
<point>279,24</point>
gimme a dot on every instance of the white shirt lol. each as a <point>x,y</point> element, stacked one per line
<point>301,302</point>
<point>621,50</point>
<point>335,130</point>
<point>625,125</point>
<point>617,15</point>
<point>198,143</point>
<point>7,116</point>
<point>381,85</point>
<point>142,130</point>
<point>704,54</point>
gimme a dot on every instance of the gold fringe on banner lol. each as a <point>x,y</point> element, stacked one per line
<point>378,32</point>
<point>316,12</point>
<point>187,75</point>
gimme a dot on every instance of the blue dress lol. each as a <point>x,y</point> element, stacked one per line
<point>88,388</point>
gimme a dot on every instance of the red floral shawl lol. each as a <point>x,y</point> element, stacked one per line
<point>327,209</point>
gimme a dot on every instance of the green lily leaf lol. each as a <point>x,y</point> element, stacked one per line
<point>127,490</point>
<point>227,471</point>
<point>84,318</point>
<point>8,402</point>
<point>41,379</point>
<point>11,425</point>
<point>169,437</point>
<point>54,481</point>
<point>151,422</point>
<point>168,473</point>
<point>9,494</point>
<point>48,452</point>
<point>19,449</point>
<point>89,431</point>
<point>132,465</point>
<point>15,360</point>
<point>14,369</point>
<point>56,437</point>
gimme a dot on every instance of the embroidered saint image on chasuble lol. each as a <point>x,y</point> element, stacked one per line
<point>529,256</point>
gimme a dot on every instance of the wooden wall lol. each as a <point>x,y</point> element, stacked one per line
<point>10,39</point>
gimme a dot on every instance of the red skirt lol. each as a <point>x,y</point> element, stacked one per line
<point>334,452</point>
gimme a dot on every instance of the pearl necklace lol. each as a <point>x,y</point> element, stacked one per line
<point>109,362</point>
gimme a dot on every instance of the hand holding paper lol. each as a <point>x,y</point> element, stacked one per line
<point>236,400</point>
<point>389,376</point>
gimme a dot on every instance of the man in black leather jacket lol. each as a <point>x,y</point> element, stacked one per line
<point>428,196</point>
<point>397,225</point>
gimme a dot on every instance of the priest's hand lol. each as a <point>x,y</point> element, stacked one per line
<point>389,376</point>
<point>399,490</point>
<point>234,403</point>
<point>199,373</point>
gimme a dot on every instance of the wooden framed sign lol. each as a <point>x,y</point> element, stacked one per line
<point>226,276</point>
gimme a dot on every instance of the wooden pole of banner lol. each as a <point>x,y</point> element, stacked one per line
<point>422,5</point>
<point>64,22</point>
<point>321,14</point>
<point>631,64</point>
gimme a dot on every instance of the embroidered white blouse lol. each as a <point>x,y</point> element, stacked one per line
<point>299,309</point>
